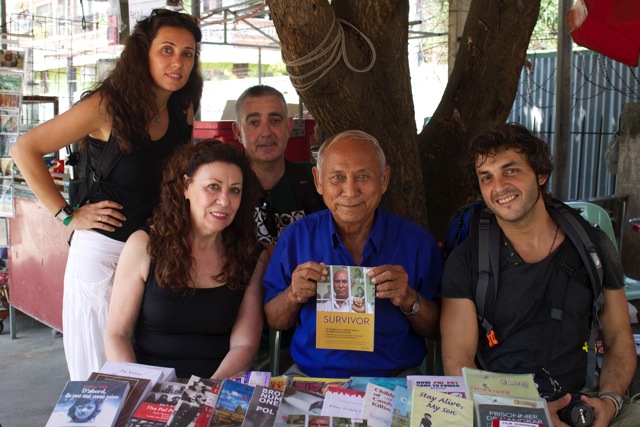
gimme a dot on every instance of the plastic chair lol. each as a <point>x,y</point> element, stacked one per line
<point>596,215</point>
<point>274,352</point>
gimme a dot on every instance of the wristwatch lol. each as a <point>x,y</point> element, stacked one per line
<point>65,214</point>
<point>414,308</point>
<point>612,396</point>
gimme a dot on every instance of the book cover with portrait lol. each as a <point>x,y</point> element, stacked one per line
<point>345,309</point>
<point>89,403</point>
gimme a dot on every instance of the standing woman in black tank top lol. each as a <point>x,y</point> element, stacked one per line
<point>155,84</point>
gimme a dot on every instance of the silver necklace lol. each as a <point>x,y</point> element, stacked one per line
<point>157,119</point>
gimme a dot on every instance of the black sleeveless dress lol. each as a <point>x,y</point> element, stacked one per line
<point>186,331</point>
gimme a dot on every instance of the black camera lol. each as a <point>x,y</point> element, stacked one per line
<point>576,413</point>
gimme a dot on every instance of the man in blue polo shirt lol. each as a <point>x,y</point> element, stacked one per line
<point>352,175</point>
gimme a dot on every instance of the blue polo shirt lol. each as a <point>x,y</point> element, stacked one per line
<point>393,240</point>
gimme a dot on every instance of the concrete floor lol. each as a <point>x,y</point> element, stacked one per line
<point>33,373</point>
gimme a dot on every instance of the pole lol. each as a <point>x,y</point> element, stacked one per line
<point>562,125</point>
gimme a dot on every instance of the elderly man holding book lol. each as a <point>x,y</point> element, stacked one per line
<point>403,263</point>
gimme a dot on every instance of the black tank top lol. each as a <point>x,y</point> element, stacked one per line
<point>189,333</point>
<point>135,180</point>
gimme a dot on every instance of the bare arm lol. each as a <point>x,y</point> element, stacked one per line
<point>283,310</point>
<point>245,335</point>
<point>392,282</point>
<point>619,362</point>
<point>459,331</point>
<point>126,298</point>
<point>85,118</point>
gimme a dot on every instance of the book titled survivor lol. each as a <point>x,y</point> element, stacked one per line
<point>345,307</point>
<point>90,403</point>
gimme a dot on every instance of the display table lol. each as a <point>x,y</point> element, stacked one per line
<point>37,258</point>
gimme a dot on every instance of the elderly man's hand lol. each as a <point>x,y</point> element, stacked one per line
<point>392,282</point>
<point>304,281</point>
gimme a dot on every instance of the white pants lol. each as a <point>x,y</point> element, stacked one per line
<point>88,280</point>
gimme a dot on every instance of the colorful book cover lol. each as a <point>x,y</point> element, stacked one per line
<point>232,404</point>
<point>296,401</point>
<point>254,378</point>
<point>430,407</point>
<point>345,307</point>
<point>360,383</point>
<point>279,383</point>
<point>496,384</point>
<point>196,403</point>
<point>453,385</point>
<point>299,420</point>
<point>212,391</point>
<point>90,403</point>
<point>342,402</point>
<point>157,407</point>
<point>378,405</point>
<point>401,416</point>
<point>489,409</point>
<point>316,385</point>
<point>263,407</point>
<point>139,388</point>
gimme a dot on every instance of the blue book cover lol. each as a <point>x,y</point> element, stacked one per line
<point>360,383</point>
<point>401,413</point>
<point>232,404</point>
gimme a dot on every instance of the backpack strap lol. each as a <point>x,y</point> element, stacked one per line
<point>304,188</point>
<point>489,255</point>
<point>488,261</point>
<point>107,161</point>
<point>575,229</point>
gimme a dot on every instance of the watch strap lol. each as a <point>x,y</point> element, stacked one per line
<point>615,398</point>
<point>414,307</point>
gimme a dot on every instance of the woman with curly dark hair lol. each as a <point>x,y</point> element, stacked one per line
<point>145,107</point>
<point>188,291</point>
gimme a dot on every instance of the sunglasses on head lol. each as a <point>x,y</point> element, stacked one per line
<point>268,215</point>
<point>167,12</point>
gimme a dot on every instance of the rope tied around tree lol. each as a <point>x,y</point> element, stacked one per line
<point>335,49</point>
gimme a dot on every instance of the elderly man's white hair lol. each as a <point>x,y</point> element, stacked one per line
<point>352,134</point>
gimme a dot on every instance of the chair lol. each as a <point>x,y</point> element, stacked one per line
<point>274,351</point>
<point>599,217</point>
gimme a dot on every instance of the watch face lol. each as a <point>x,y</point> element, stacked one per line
<point>68,210</point>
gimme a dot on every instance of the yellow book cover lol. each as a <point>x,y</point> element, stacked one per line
<point>345,310</point>
<point>433,408</point>
<point>497,384</point>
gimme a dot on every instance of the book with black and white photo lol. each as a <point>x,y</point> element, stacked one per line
<point>90,403</point>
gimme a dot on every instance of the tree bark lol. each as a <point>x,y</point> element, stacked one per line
<point>427,169</point>
<point>378,101</point>
<point>479,93</point>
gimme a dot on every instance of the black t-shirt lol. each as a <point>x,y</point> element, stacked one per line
<point>522,321</point>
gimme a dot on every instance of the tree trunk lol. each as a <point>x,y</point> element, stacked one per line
<point>480,91</point>
<point>378,101</point>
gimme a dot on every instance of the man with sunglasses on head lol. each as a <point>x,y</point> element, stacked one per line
<point>263,126</point>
